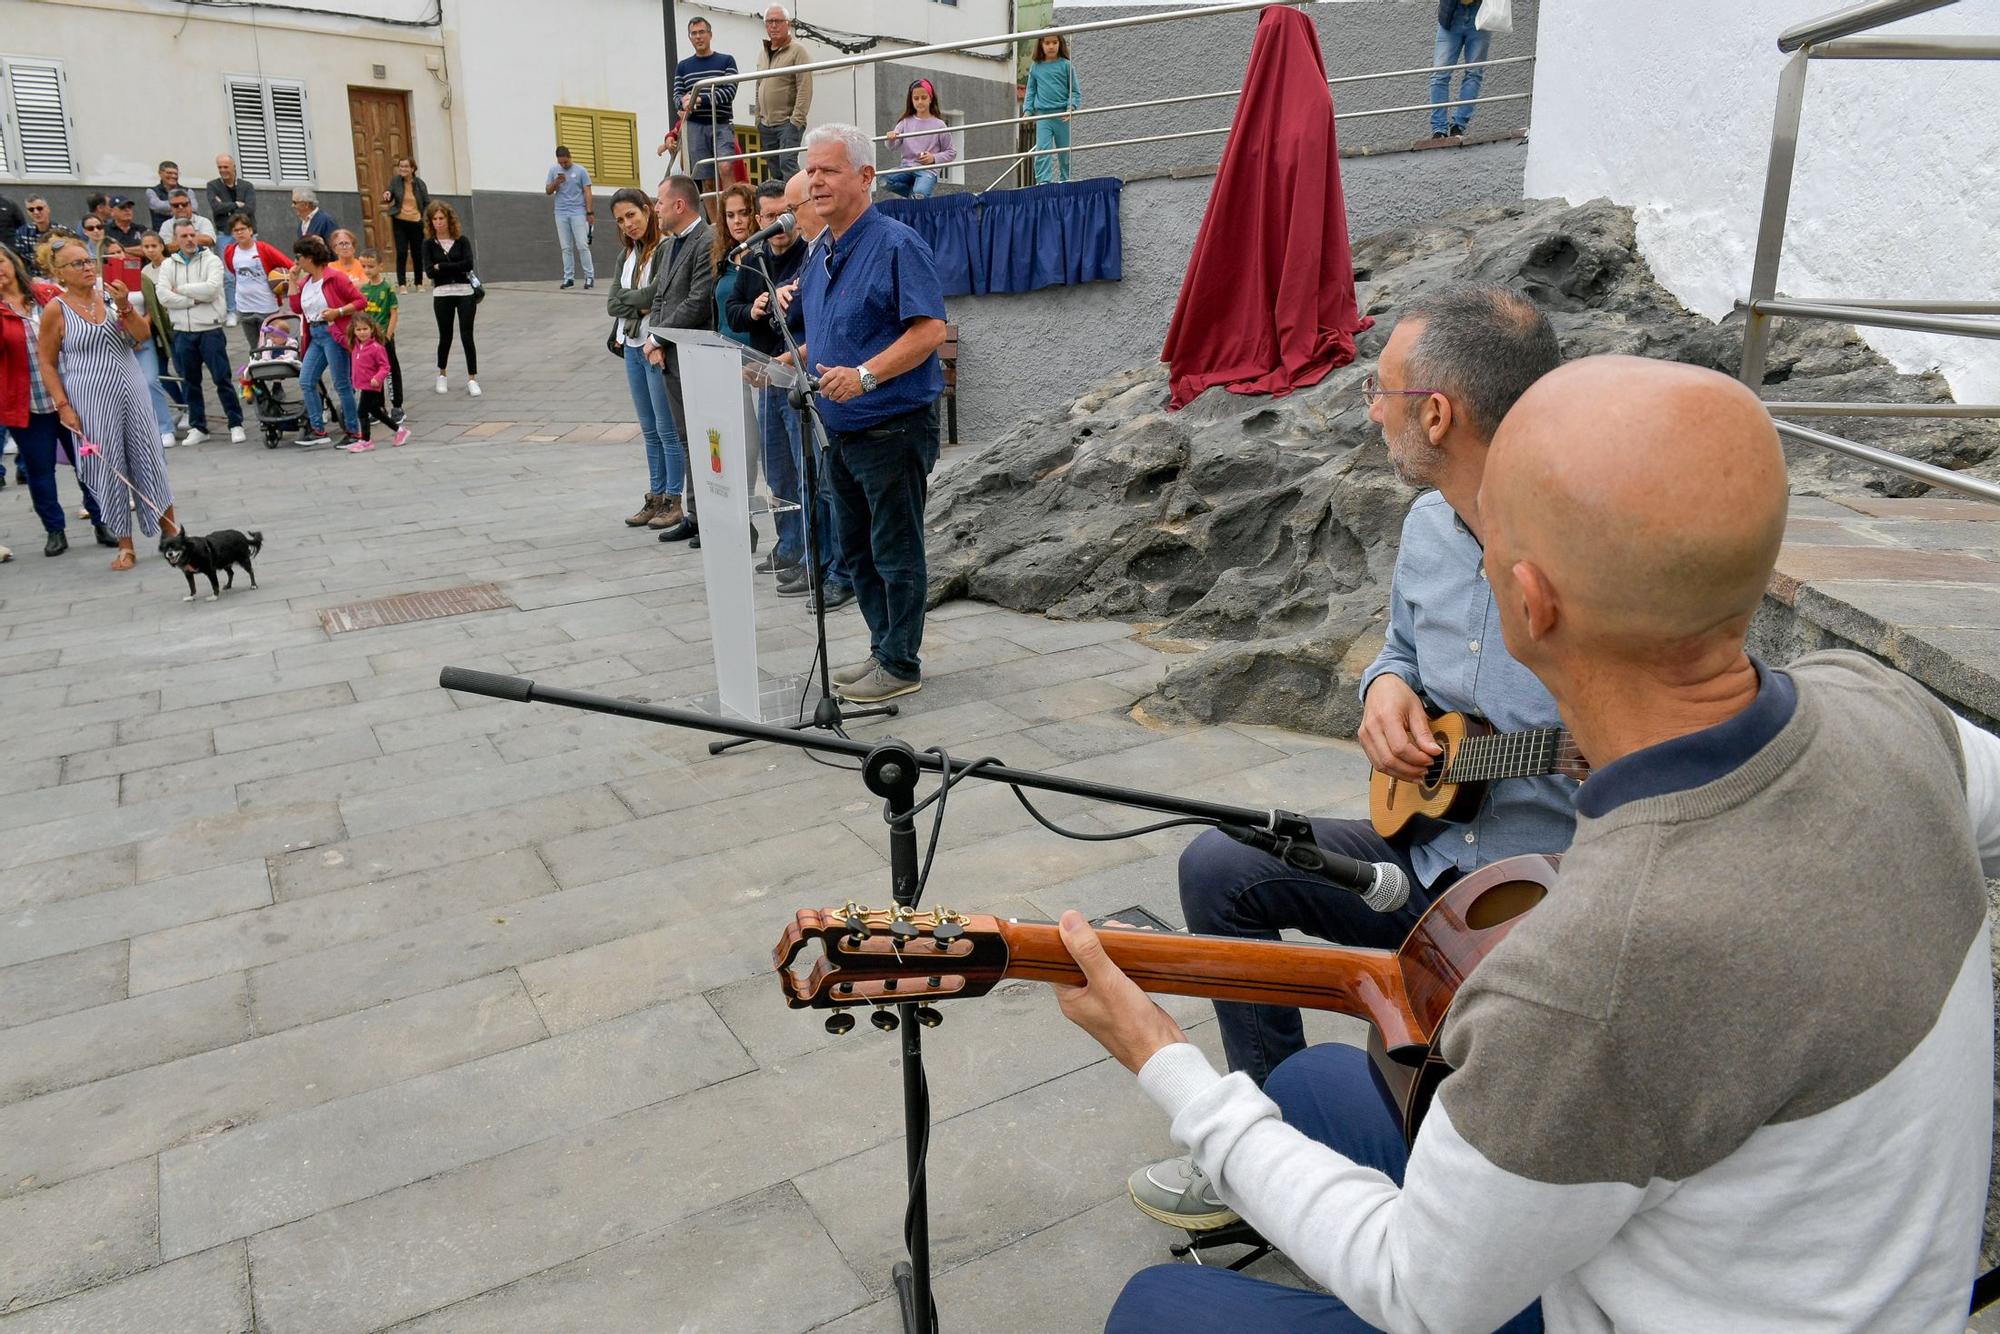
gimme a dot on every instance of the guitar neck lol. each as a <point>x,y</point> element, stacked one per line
<point>1365,983</point>
<point>1497,755</point>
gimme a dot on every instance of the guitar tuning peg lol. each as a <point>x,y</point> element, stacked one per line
<point>947,931</point>
<point>839,1022</point>
<point>885,1020</point>
<point>904,930</point>
<point>857,927</point>
<point>927,1016</point>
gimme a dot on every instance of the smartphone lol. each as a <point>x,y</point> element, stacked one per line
<point>126,270</point>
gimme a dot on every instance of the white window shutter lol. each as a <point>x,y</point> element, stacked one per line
<point>40,118</point>
<point>252,133</point>
<point>290,132</point>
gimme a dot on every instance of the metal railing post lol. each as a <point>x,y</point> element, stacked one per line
<point>1771,222</point>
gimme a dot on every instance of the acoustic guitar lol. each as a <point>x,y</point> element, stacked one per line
<point>875,958</point>
<point>1474,757</point>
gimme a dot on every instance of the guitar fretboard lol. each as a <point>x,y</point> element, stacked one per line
<point>1483,759</point>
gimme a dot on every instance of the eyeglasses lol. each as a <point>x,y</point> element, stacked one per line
<point>93,226</point>
<point>1371,389</point>
<point>76,264</point>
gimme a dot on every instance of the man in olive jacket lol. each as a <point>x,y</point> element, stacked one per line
<point>683,298</point>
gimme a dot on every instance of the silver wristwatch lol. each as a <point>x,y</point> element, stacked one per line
<point>868,380</point>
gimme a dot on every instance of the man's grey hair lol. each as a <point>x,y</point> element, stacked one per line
<point>304,197</point>
<point>35,199</point>
<point>860,152</point>
<point>1481,347</point>
<point>783,13</point>
<point>178,193</point>
<point>185,225</point>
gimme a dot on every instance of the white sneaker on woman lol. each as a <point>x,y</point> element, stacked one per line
<point>442,386</point>
<point>472,387</point>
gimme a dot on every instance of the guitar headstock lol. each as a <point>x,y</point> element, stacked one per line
<point>886,956</point>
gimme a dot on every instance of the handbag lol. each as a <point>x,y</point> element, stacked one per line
<point>611,343</point>
<point>478,288</point>
<point>1495,16</point>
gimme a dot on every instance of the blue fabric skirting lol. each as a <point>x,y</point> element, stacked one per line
<point>1019,240</point>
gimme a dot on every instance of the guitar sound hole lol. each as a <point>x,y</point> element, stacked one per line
<point>1503,903</point>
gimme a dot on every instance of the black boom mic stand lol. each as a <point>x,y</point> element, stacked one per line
<point>830,713</point>
<point>890,769</point>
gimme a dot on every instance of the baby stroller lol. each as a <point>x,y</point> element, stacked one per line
<point>270,379</point>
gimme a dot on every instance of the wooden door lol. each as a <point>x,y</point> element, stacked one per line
<point>381,121</point>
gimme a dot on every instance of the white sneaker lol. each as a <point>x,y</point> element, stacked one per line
<point>472,387</point>
<point>236,436</point>
<point>167,440</point>
<point>442,386</point>
<point>192,438</point>
<point>232,321</point>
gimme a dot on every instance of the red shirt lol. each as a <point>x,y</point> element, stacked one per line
<point>15,349</point>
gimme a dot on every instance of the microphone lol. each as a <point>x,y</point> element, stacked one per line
<point>1381,885</point>
<point>786,223</point>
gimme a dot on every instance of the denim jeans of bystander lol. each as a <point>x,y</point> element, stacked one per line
<point>880,479</point>
<point>1461,41</point>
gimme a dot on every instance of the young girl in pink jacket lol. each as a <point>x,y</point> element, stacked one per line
<point>371,373</point>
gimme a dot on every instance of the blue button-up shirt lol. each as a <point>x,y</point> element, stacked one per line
<point>1444,641</point>
<point>858,292</point>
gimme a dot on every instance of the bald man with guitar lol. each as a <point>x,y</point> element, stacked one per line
<point>1455,364</point>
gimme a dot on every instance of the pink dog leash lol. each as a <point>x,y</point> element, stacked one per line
<point>87,447</point>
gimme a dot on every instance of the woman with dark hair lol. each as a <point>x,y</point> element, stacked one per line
<point>27,407</point>
<point>260,270</point>
<point>739,220</point>
<point>327,302</point>
<point>454,295</point>
<point>630,300</point>
<point>924,140</point>
<point>86,340</point>
<point>407,198</point>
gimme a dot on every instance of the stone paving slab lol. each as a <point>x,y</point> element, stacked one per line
<point>202,1294</point>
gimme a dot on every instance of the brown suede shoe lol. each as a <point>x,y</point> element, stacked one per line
<point>646,512</point>
<point>668,514</point>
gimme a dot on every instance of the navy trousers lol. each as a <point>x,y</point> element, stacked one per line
<point>880,478</point>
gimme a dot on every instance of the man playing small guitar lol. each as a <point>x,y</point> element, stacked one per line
<point>1453,367</point>
<point>1735,1072</point>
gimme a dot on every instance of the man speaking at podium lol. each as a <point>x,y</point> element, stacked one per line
<point>874,318</point>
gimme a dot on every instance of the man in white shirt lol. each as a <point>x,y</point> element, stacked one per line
<point>189,285</point>
<point>182,204</point>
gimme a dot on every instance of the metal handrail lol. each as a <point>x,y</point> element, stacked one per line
<point>1942,47</point>
<point>1923,472</point>
<point>1962,326</point>
<point>1838,409</point>
<point>1858,19</point>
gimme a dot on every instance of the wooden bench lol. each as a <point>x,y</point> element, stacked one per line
<point>948,354</point>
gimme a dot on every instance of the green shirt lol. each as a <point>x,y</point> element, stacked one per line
<point>381,303</point>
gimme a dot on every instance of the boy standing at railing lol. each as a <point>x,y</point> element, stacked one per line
<point>1052,87</point>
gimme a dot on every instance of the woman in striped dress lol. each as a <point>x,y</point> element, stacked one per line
<point>87,337</point>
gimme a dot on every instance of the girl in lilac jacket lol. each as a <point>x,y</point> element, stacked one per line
<point>924,141</point>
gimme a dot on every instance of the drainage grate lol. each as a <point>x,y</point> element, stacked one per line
<point>425,606</point>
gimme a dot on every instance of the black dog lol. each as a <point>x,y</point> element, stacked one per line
<point>220,550</point>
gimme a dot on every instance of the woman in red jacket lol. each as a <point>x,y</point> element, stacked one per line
<point>328,301</point>
<point>27,409</point>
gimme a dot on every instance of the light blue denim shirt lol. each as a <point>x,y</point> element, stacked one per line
<point>1444,640</point>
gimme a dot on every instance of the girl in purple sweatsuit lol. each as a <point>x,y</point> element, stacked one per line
<point>924,140</point>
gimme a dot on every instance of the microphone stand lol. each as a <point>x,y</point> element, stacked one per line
<point>889,768</point>
<point>830,713</point>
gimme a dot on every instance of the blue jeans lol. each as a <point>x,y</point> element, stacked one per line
<point>207,350</point>
<point>1328,1094</point>
<point>664,473</point>
<point>1228,889</point>
<point>324,353</point>
<point>784,135</point>
<point>911,184</point>
<point>880,478</point>
<point>1460,41</point>
<point>1050,166</point>
<point>36,443</point>
<point>149,366</point>
<point>573,232</point>
<point>229,287</point>
<point>779,432</point>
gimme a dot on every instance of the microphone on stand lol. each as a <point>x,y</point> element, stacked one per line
<point>1381,885</point>
<point>786,222</point>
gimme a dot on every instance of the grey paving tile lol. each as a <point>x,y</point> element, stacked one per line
<point>202,1294</point>
<point>24,775</point>
<point>118,914</point>
<point>39,745</point>
<point>208,717</point>
<point>296,927</point>
<point>783,1273</point>
<point>395,808</point>
<point>44,988</point>
<point>377,773</point>
<point>113,760</point>
<point>107,828</point>
<point>247,766</point>
<point>68,877</point>
<point>58,802</point>
<point>272,1173</point>
<point>365,860</point>
<point>92,1126</point>
<point>349,977</point>
<point>82,1232</point>
<point>123,1035</point>
<point>215,840</point>
<point>307,725</point>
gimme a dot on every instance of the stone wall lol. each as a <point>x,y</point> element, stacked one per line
<point>1022,352</point>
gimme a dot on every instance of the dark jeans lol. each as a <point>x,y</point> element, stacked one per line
<point>880,478</point>
<point>1328,1095</point>
<point>395,373</point>
<point>207,350</point>
<point>36,443</point>
<point>409,245</point>
<point>372,407</point>
<point>463,307</point>
<point>1228,889</point>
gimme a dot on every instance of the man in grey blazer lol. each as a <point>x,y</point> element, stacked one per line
<point>683,298</point>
